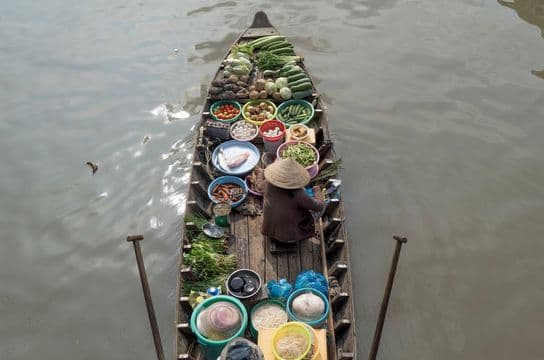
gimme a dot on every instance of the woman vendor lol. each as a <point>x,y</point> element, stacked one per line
<point>286,209</point>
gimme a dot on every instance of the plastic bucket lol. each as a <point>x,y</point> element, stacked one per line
<point>292,328</point>
<point>317,322</point>
<point>271,143</point>
<point>221,214</point>
<point>254,332</point>
<point>211,349</point>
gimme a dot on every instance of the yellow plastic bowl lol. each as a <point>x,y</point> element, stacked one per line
<point>292,328</point>
<point>256,102</point>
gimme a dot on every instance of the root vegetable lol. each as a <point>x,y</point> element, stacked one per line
<point>259,84</point>
<point>253,94</point>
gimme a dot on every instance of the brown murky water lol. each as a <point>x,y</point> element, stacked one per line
<point>438,112</point>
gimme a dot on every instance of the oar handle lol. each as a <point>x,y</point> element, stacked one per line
<point>135,239</point>
<point>387,294</point>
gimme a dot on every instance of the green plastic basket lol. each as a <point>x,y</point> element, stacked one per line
<point>212,348</point>
<point>223,102</point>
<point>304,103</point>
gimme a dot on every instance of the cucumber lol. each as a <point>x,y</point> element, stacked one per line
<point>301,87</point>
<point>283,52</point>
<point>302,94</point>
<point>293,71</point>
<point>269,73</point>
<point>279,45</point>
<point>258,43</point>
<point>292,79</point>
<point>297,82</point>
<point>273,43</point>
<point>292,62</point>
<point>285,69</point>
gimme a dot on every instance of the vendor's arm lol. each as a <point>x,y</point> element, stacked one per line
<point>307,202</point>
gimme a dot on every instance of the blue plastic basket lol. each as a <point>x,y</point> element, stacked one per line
<point>228,179</point>
<point>315,323</point>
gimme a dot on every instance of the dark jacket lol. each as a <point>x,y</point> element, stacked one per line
<point>286,215</point>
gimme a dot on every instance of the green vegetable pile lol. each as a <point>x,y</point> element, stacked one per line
<point>208,258</point>
<point>267,60</point>
<point>301,153</point>
<point>275,44</point>
<point>294,113</point>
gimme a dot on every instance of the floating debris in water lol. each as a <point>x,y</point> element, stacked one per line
<point>146,139</point>
<point>176,50</point>
<point>93,166</point>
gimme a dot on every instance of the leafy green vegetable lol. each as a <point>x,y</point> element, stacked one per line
<point>267,60</point>
<point>206,263</point>
<point>301,153</point>
<point>207,257</point>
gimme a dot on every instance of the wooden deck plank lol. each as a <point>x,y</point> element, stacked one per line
<point>283,265</point>
<point>257,246</point>
<point>316,253</point>
<point>271,262</point>
<point>305,255</point>
<point>293,259</point>
<point>240,227</point>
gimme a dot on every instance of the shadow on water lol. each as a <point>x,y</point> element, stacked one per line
<point>532,12</point>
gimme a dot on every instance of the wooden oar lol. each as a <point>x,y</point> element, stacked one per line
<point>135,239</point>
<point>386,296</point>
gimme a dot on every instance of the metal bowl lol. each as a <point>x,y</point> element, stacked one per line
<point>213,231</point>
<point>251,284</point>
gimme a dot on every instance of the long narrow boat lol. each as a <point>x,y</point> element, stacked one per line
<point>327,252</point>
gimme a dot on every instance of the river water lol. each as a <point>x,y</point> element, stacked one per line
<point>437,108</point>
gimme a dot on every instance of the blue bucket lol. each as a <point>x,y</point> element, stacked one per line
<point>228,179</point>
<point>314,323</point>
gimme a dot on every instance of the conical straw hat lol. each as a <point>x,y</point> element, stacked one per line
<point>287,174</point>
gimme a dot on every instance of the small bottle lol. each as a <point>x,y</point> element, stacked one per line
<point>213,291</point>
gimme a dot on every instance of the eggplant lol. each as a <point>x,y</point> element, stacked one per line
<point>216,90</point>
<point>229,95</point>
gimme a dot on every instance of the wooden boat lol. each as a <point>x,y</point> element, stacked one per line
<point>327,253</point>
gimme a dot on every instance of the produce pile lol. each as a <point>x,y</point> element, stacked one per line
<point>298,131</point>
<point>226,112</point>
<point>229,193</point>
<point>302,153</point>
<point>234,83</point>
<point>275,58</point>
<point>208,258</point>
<point>269,315</point>
<point>259,111</point>
<point>242,130</point>
<point>294,113</point>
<point>255,180</point>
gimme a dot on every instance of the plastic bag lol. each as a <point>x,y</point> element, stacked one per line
<point>313,280</point>
<point>279,289</point>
